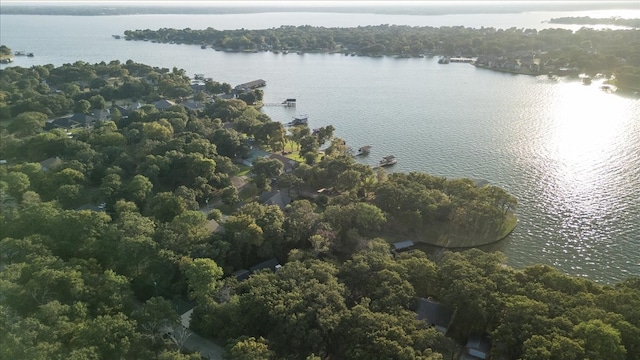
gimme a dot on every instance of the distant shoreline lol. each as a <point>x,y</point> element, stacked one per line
<point>384,7</point>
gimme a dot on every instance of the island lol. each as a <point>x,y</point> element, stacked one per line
<point>146,215</point>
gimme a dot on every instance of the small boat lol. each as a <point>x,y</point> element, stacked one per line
<point>20,53</point>
<point>444,60</point>
<point>116,36</point>
<point>388,161</point>
<point>30,54</point>
<point>365,150</point>
<point>203,46</point>
<point>299,120</point>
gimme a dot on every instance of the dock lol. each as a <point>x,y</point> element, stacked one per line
<point>460,60</point>
<point>286,103</point>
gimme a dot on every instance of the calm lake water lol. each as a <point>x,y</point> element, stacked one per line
<point>570,153</point>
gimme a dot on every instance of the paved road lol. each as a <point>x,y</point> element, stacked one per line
<point>206,348</point>
<point>194,342</point>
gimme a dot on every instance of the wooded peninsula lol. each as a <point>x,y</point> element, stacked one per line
<point>132,195</point>
<point>613,53</point>
<point>587,20</point>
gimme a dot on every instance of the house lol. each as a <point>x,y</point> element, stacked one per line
<point>163,104</point>
<point>214,226</point>
<point>477,347</point>
<point>198,86</point>
<point>184,308</point>
<point>275,198</point>
<point>271,264</point>
<point>136,106</point>
<point>123,110</point>
<point>434,314</point>
<point>101,114</point>
<point>288,165</point>
<point>71,122</point>
<point>50,163</point>
<point>93,207</point>
<point>242,274</point>
<point>193,105</point>
<point>224,96</point>
<point>403,245</point>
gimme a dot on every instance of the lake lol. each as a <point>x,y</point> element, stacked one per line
<point>570,153</point>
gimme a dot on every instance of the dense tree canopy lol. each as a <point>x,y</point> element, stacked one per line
<point>96,240</point>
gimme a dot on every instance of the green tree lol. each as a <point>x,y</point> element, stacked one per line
<point>97,102</point>
<point>251,349</point>
<point>28,123</point>
<point>600,340</point>
<point>138,189</point>
<point>17,183</point>
<point>202,276</point>
<point>230,196</point>
<point>83,107</point>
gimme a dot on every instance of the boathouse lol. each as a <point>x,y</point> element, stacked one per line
<point>403,245</point>
<point>251,85</point>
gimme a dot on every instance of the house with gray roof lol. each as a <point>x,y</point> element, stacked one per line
<point>163,104</point>
<point>477,348</point>
<point>193,105</point>
<point>71,122</point>
<point>434,314</point>
<point>275,198</point>
<point>271,264</point>
<point>50,163</point>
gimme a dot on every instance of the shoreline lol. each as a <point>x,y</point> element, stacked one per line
<point>458,242</point>
<point>518,72</point>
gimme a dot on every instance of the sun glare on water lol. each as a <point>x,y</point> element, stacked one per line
<point>585,131</point>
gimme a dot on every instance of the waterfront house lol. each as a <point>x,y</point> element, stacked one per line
<point>288,165</point>
<point>512,65</point>
<point>434,314</point>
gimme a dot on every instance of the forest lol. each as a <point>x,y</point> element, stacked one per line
<point>104,227</point>
<point>609,52</point>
